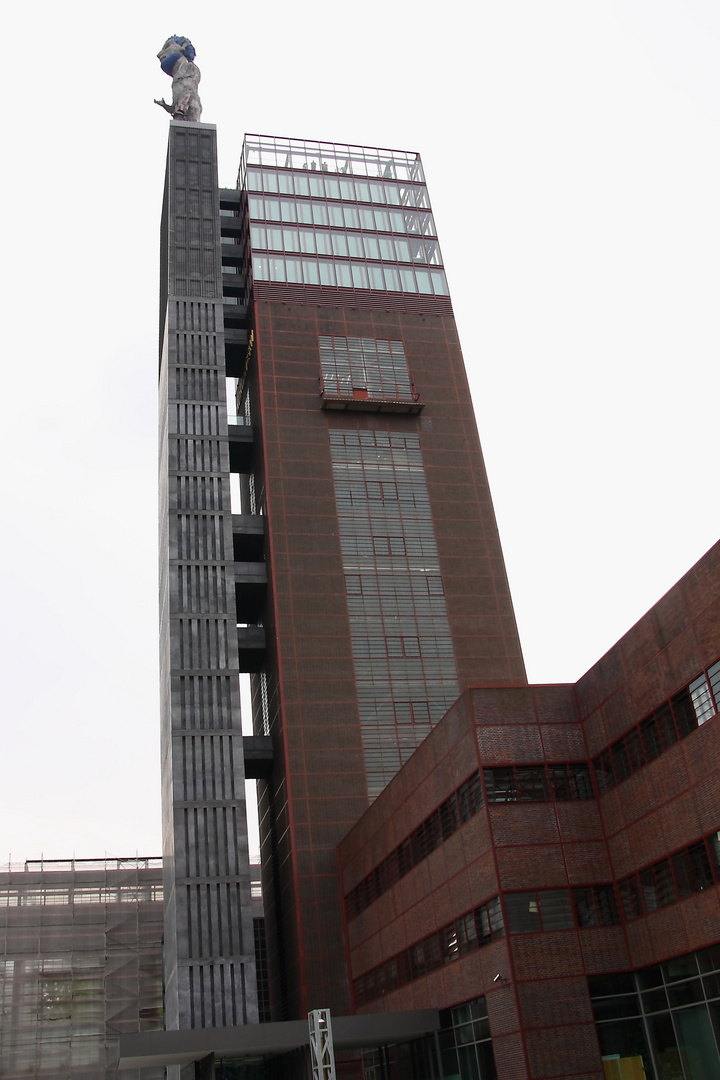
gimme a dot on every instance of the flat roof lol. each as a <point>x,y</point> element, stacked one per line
<point>152,1049</point>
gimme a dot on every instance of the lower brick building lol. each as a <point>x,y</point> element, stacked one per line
<point>546,866</point>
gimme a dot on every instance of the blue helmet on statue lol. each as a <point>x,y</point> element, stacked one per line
<point>177,58</point>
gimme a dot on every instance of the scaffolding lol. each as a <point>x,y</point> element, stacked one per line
<point>80,964</point>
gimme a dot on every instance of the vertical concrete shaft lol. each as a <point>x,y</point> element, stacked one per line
<point>209,952</point>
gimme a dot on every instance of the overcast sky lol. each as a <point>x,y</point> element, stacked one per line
<point>571,150</point>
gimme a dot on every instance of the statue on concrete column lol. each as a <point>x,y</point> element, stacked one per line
<point>176,59</point>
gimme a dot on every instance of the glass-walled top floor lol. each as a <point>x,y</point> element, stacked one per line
<point>305,154</point>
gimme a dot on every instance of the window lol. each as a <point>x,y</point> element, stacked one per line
<point>469,932</point>
<point>365,368</point>
<point>463,804</point>
<point>546,909</point>
<point>675,719</point>
<point>538,783</point>
<point>688,871</point>
<point>595,905</point>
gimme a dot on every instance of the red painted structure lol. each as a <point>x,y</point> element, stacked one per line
<point>639,860</point>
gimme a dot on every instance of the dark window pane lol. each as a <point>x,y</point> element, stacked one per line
<point>555,909</point>
<point>630,896</point>
<point>713,847</point>
<point>633,746</point>
<point>709,959</point>
<point>500,784</point>
<point>461,1014</point>
<point>476,793</point>
<point>682,967</point>
<point>609,985</point>
<point>698,1049</point>
<point>580,783</point>
<point>649,977</point>
<point>468,1063</point>
<point>531,785</point>
<point>478,1009</point>
<point>714,1010</point>
<point>487,1061</point>
<point>449,817</point>
<point>606,905</point>
<point>655,1000</point>
<point>649,889</point>
<point>714,680</point>
<point>626,1038</point>
<point>585,912</point>
<point>467,933</point>
<point>433,952</point>
<point>464,807</point>
<point>404,859</point>
<point>495,915</point>
<point>604,772</point>
<point>489,920</point>
<point>481,1030</point>
<point>616,1007</point>
<point>651,739</point>
<point>685,993</point>
<point>692,870</point>
<point>621,765</point>
<point>522,912</point>
<point>451,943</point>
<point>665,726</point>
<point>464,1034</point>
<point>560,782</point>
<point>664,885</point>
<point>662,1040</point>
<point>685,718</point>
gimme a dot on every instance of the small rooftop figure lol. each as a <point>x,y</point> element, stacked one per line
<point>176,59</point>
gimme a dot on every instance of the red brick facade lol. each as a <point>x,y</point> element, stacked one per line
<point>318,788</point>
<point>536,982</point>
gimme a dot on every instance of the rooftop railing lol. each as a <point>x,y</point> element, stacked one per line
<point>283,153</point>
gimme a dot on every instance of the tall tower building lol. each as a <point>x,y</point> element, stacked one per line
<point>208,944</point>
<point>386,588</point>
<point>361,584</point>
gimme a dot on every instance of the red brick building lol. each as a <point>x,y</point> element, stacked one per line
<point>553,851</point>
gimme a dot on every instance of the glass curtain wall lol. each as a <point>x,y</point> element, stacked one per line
<point>664,1018</point>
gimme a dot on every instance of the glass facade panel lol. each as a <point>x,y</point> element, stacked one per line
<point>358,210</point>
<point>672,1025</point>
<point>381,497</point>
<point>465,1044</point>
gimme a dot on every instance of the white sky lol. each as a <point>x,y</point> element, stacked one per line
<point>572,153</point>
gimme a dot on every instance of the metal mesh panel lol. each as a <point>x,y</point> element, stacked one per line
<point>80,964</point>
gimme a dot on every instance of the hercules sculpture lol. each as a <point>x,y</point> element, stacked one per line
<point>176,59</point>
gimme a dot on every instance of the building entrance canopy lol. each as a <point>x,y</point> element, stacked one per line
<point>162,1048</point>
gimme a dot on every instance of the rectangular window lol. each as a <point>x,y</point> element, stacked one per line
<point>547,909</point>
<point>702,699</point>
<point>366,368</point>
<point>675,719</point>
<point>692,870</point>
<point>522,912</point>
<point>555,909</point>
<point>595,906</point>
<point>538,783</point>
